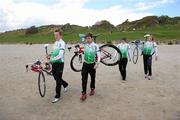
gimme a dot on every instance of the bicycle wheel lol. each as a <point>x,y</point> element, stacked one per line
<point>77,62</point>
<point>41,84</point>
<point>135,55</point>
<point>110,55</point>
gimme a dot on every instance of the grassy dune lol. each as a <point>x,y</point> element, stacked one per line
<point>163,33</point>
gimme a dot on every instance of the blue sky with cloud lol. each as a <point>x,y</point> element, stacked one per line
<point>15,14</point>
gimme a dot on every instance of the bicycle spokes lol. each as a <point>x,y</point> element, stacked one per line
<point>135,55</point>
<point>105,54</point>
<point>80,58</point>
<point>41,84</point>
<point>77,62</point>
<point>110,55</point>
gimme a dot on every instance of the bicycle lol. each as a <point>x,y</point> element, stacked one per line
<point>107,55</point>
<point>138,46</point>
<point>40,67</point>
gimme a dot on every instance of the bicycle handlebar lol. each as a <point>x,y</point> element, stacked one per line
<point>95,36</point>
<point>76,46</point>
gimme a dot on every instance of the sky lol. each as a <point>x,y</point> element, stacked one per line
<point>16,14</point>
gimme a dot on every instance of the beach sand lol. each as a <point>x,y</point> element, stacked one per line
<point>136,99</point>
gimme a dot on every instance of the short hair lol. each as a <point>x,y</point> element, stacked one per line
<point>88,35</point>
<point>124,38</point>
<point>59,31</point>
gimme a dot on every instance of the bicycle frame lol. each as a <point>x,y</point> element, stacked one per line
<point>107,54</point>
<point>79,52</point>
<point>38,67</point>
<point>138,45</point>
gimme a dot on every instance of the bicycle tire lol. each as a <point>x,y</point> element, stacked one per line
<point>118,53</point>
<point>73,67</point>
<point>41,80</point>
<point>135,55</point>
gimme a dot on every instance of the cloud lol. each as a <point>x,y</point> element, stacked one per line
<point>15,14</point>
<point>143,5</point>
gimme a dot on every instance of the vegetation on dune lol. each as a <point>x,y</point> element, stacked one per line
<point>164,28</point>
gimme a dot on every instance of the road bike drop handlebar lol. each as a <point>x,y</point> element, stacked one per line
<point>38,65</point>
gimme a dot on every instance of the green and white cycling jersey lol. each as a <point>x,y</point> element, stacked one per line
<point>125,50</point>
<point>149,48</point>
<point>90,52</point>
<point>57,56</point>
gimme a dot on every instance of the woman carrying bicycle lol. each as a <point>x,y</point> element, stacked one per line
<point>149,48</point>
<point>91,51</point>
<point>124,47</point>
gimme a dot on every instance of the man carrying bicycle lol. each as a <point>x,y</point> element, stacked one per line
<point>91,51</point>
<point>57,61</point>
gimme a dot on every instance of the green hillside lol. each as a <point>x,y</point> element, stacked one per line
<point>164,29</point>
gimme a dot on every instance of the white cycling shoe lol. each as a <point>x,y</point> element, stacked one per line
<point>55,100</point>
<point>66,89</point>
